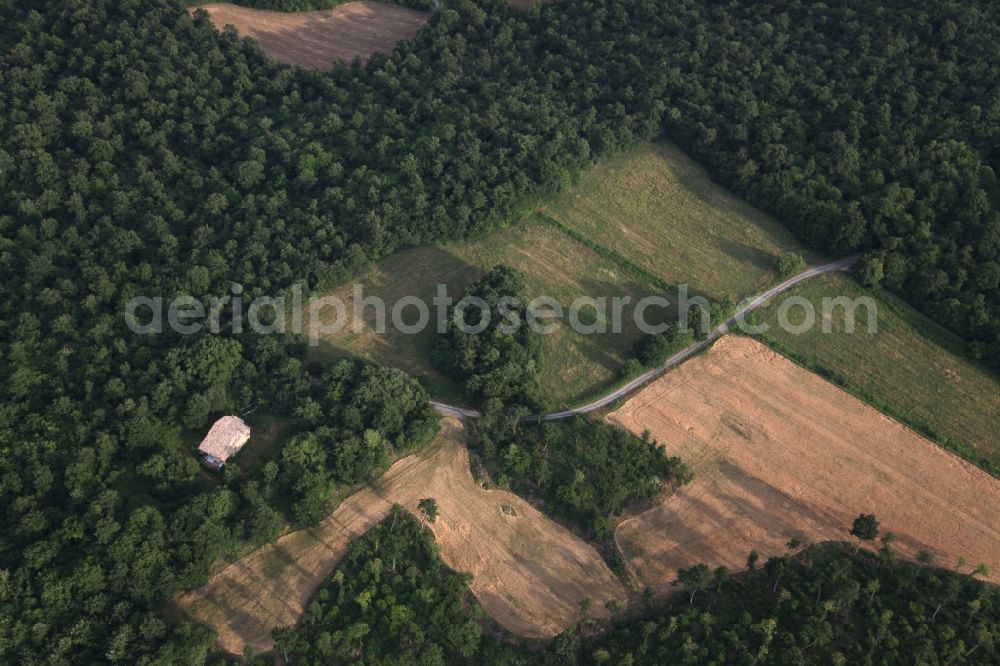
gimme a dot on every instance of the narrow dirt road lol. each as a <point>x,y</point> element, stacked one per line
<point>679,357</point>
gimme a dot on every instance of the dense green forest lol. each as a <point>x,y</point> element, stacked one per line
<point>493,351</point>
<point>143,153</point>
<point>392,601</point>
<point>585,471</point>
<point>345,433</point>
<point>824,606</point>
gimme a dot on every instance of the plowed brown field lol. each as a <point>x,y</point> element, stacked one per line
<point>529,573</point>
<point>779,452</point>
<point>318,39</point>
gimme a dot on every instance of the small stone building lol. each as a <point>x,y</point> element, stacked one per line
<point>224,440</point>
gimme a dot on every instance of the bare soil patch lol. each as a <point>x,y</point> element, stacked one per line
<point>317,39</point>
<point>779,452</point>
<point>529,573</point>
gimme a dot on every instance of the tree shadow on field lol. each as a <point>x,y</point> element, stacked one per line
<point>720,523</point>
<point>741,253</point>
<point>609,349</point>
<point>569,584</point>
<point>412,273</point>
<point>778,513</point>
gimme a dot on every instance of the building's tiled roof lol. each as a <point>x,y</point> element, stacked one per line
<point>226,437</point>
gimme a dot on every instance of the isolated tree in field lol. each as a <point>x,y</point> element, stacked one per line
<point>696,579</point>
<point>585,605</point>
<point>790,263</point>
<point>981,570</point>
<point>752,560</point>
<point>429,507</point>
<point>865,528</point>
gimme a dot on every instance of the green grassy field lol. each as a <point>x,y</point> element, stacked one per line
<point>657,208</point>
<point>634,225</point>
<point>908,368</point>
<point>553,264</point>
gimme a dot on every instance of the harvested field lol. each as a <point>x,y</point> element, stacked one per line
<point>317,39</point>
<point>778,452</point>
<point>553,264</point>
<point>907,365</point>
<point>530,573</point>
<point>657,208</point>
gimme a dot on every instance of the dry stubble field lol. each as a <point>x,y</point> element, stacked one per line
<point>907,364</point>
<point>779,452</point>
<point>317,39</point>
<point>529,573</point>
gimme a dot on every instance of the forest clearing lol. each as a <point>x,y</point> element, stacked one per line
<point>553,264</point>
<point>635,225</point>
<point>659,209</point>
<point>318,39</point>
<point>529,572</point>
<point>780,453</point>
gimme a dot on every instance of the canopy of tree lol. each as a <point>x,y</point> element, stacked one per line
<point>346,431</point>
<point>824,606</point>
<point>489,345</point>
<point>584,470</point>
<point>392,601</point>
<point>141,152</point>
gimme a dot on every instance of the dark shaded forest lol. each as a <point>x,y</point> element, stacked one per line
<point>392,601</point>
<point>584,471</point>
<point>824,605</point>
<point>489,346</point>
<point>143,153</point>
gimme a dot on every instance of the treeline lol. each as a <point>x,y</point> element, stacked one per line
<point>583,470</point>
<point>141,152</point>
<point>392,601</point>
<point>825,605</point>
<point>489,345</point>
